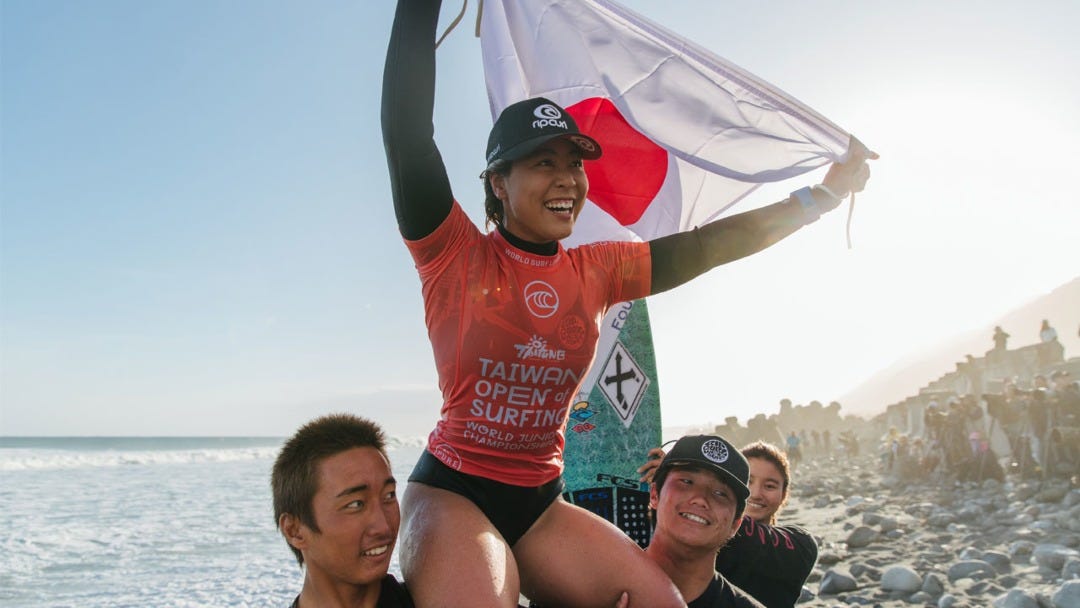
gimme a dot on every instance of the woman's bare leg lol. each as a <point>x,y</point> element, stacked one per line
<point>451,555</point>
<point>571,557</point>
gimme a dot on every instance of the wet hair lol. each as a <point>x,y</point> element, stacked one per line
<point>295,476</point>
<point>662,475</point>
<point>493,206</point>
<point>773,454</point>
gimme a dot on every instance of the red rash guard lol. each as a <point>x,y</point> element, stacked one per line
<point>513,335</point>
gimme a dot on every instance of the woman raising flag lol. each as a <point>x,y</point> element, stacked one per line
<point>512,317</point>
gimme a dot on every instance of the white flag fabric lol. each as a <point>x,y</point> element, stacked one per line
<point>685,133</point>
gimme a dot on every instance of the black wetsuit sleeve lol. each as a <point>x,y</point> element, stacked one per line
<point>418,180</point>
<point>679,257</point>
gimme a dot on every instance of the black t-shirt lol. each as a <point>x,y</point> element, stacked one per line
<point>392,594</point>
<point>722,594</point>
<point>770,563</point>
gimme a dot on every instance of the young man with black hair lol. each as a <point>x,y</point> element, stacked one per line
<point>699,493</point>
<point>335,502</point>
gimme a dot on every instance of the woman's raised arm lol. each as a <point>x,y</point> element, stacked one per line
<point>418,180</point>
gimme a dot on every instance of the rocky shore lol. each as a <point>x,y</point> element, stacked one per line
<point>890,543</point>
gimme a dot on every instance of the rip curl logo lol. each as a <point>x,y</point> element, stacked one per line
<point>714,450</point>
<point>541,299</point>
<point>537,349</point>
<point>582,143</point>
<point>548,115</point>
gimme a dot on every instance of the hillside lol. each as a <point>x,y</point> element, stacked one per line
<point>905,377</point>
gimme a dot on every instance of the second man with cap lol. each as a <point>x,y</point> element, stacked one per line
<point>699,493</point>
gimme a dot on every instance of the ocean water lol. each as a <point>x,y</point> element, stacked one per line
<point>147,521</point>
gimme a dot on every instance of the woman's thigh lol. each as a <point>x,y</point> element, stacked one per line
<point>572,557</point>
<point>451,555</point>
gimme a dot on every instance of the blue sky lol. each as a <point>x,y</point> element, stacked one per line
<point>197,234</point>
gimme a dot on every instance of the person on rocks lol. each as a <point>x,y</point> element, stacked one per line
<point>335,502</point>
<point>771,562</point>
<point>493,299</point>
<point>794,451</point>
<point>1000,338</point>
<point>1047,333</point>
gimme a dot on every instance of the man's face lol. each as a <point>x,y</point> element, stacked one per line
<point>357,512</point>
<point>695,509</point>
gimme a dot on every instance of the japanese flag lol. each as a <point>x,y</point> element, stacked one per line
<point>685,133</point>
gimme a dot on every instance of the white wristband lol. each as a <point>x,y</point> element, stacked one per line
<point>810,209</point>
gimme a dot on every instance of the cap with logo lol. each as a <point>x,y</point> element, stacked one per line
<point>712,453</point>
<point>523,126</point>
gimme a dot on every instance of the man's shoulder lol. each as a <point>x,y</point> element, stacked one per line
<point>394,594</point>
<point>722,594</point>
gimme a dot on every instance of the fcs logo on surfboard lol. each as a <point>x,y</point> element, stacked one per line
<point>548,115</point>
<point>541,299</point>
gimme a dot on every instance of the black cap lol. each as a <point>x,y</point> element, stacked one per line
<point>712,453</point>
<point>524,126</point>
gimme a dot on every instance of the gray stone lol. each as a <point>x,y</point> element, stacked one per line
<point>971,568</point>
<point>806,595</point>
<point>854,501</point>
<point>933,584</point>
<point>1067,596</point>
<point>1072,499</point>
<point>1052,494</point>
<point>940,520</point>
<point>894,534</point>
<point>969,513</point>
<point>946,601</point>
<point>1071,569</point>
<point>865,572</point>
<point>1021,550</point>
<point>998,560</point>
<point>888,524</point>
<point>901,578</point>
<point>869,518</point>
<point>1053,556</point>
<point>1044,526</point>
<point>971,553</point>
<point>829,558</point>
<point>1016,598</point>
<point>1008,581</point>
<point>836,581</point>
<point>1024,492</point>
<point>920,598</point>
<point>861,537</point>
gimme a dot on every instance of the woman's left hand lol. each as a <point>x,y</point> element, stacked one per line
<point>852,174</point>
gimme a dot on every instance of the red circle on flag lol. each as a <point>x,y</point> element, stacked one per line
<point>624,181</point>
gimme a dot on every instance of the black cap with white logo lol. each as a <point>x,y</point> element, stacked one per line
<point>524,126</point>
<point>712,453</point>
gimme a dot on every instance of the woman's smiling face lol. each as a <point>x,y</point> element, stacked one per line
<point>767,491</point>
<point>544,192</point>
